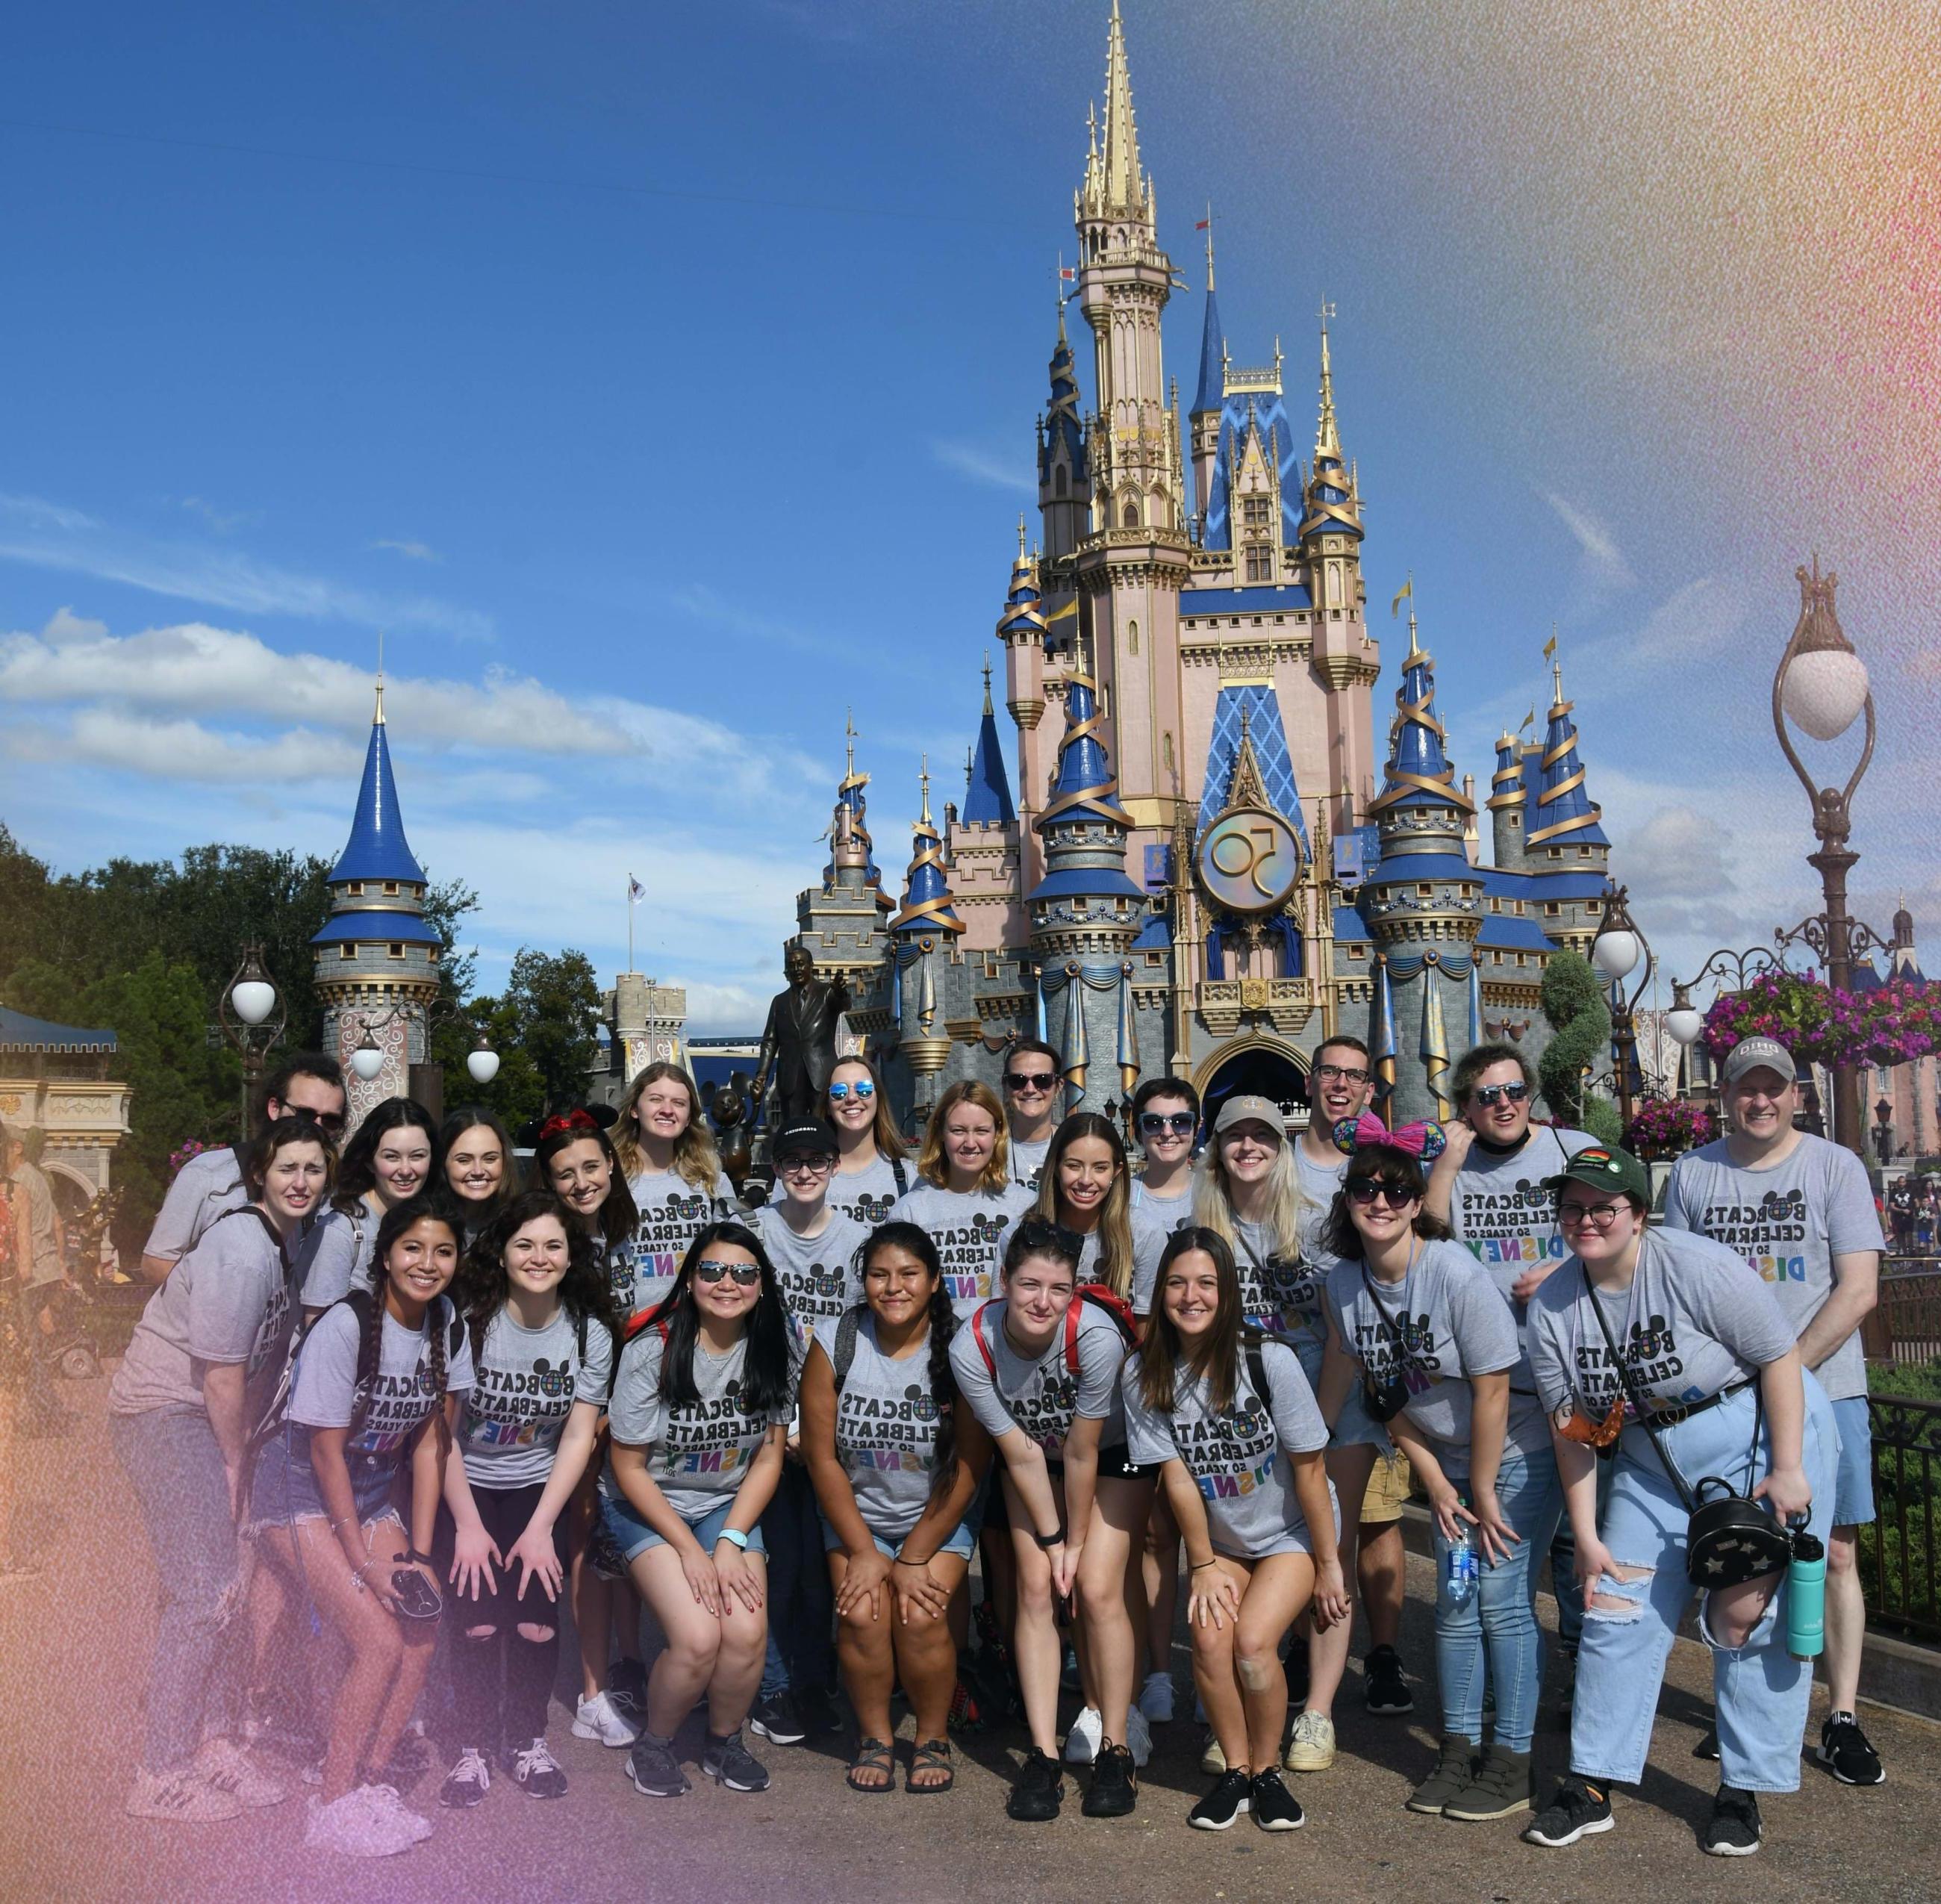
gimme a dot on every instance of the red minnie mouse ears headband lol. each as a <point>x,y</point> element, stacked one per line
<point>572,1120</point>
<point>1424,1141</point>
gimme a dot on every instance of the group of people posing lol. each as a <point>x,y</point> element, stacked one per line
<point>413,1386</point>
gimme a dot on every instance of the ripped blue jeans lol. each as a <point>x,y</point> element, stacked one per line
<point>1760,1690</point>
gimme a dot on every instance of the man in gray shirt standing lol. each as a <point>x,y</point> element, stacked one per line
<point>1801,1211</point>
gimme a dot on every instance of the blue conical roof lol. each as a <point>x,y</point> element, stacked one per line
<point>927,903</point>
<point>1506,786</point>
<point>1419,773</point>
<point>1563,809</point>
<point>1212,351</point>
<point>1061,422</point>
<point>377,849</point>
<point>1084,784</point>
<point>987,799</point>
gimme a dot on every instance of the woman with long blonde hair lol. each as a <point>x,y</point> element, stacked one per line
<point>1248,1193</point>
<point>673,1171</point>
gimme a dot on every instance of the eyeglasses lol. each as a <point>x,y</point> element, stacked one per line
<point>1574,1426</point>
<point>746,1273</point>
<point>1365,1190</point>
<point>1341,1074</point>
<point>814,1164</point>
<point>1599,1216</point>
<point>1180,1123</point>
<point>837,1092</point>
<point>1021,1081</point>
<point>1490,1094</point>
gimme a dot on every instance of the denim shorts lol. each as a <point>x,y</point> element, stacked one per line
<point>283,1489</point>
<point>1854,1475</point>
<point>962,1542</point>
<point>633,1536</point>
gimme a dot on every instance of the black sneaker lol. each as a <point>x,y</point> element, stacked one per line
<point>1382,1685</point>
<point>1577,1809</point>
<point>1707,1747</point>
<point>1115,1783</point>
<point>1295,1667</point>
<point>727,1761</point>
<point>1273,1805</point>
<point>1733,1830</point>
<point>1847,1752</point>
<point>778,1719</point>
<point>535,1771</point>
<point>820,1714</point>
<point>1039,1792</point>
<point>1231,1794</point>
<point>655,1771</point>
<point>467,1782</point>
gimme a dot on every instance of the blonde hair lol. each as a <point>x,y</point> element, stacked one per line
<point>1213,1199</point>
<point>1115,1219</point>
<point>696,1161</point>
<point>934,1167</point>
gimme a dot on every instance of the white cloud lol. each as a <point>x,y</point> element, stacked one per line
<point>416,552</point>
<point>185,750</point>
<point>1604,568</point>
<point>48,535</point>
<point>981,465</point>
<point>223,522</point>
<point>1696,620</point>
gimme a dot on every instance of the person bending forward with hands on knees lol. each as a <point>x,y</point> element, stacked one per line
<point>897,1465</point>
<point>1229,1418</point>
<point>1708,1357</point>
<point>702,1399</point>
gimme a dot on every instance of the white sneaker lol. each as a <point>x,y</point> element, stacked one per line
<point>184,1795</point>
<point>1213,1760</point>
<point>596,1719</point>
<point>1311,1748</point>
<point>223,1765</point>
<point>1156,1698</point>
<point>385,1798</point>
<point>357,1828</point>
<point>1082,1742</point>
<point>1138,1736</point>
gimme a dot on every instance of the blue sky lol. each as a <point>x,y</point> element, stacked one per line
<point>660,382</point>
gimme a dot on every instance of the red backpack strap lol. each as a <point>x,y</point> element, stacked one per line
<point>977,1335</point>
<point>1072,1319</point>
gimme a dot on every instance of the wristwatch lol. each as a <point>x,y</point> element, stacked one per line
<point>734,1537</point>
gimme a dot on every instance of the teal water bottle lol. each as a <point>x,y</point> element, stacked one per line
<point>1806,1598</point>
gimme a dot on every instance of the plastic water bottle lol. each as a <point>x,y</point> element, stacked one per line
<point>1806,1598</point>
<point>1460,1570</point>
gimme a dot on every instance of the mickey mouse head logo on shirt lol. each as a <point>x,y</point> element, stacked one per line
<point>825,1282</point>
<point>923,1405</point>
<point>1649,1340</point>
<point>986,1228</point>
<point>552,1381</point>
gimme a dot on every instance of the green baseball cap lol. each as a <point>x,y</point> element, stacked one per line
<point>1605,1167</point>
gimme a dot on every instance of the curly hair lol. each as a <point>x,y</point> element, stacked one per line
<point>358,1172</point>
<point>482,1287</point>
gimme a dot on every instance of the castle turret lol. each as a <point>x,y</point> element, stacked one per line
<point>1085,913</point>
<point>1064,478</point>
<point>1203,420</point>
<point>922,931</point>
<point>1507,797</point>
<point>851,822</point>
<point>377,958</point>
<point>1424,901</point>
<point>1565,845</point>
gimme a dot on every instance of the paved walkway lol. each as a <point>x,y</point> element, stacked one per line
<point>73,1646</point>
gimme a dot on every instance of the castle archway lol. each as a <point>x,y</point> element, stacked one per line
<point>1259,1067</point>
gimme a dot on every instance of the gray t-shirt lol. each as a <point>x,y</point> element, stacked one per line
<point>344,1252</point>
<point>1789,1221</point>
<point>672,1214</point>
<point>864,1196</point>
<point>1238,1458</point>
<point>1027,1160</point>
<point>1697,1319</point>
<point>527,1382</point>
<point>1279,1294</point>
<point>1041,1396</point>
<point>1170,1213</point>
<point>231,1298</point>
<point>886,1431</point>
<point>402,1397</point>
<point>701,1451</point>
<point>1443,1323</point>
<point>969,1229</point>
<point>815,1273</point>
<point>1148,1244</point>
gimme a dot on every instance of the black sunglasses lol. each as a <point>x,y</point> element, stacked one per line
<point>1023,1081</point>
<point>1488,1094</point>
<point>1179,1122</point>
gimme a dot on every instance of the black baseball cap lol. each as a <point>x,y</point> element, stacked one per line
<point>811,1136</point>
<point>1604,1167</point>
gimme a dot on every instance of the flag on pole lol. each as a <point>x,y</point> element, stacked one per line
<point>1550,647</point>
<point>636,892</point>
<point>1406,592</point>
<point>1529,720</point>
<point>1067,274</point>
<point>1201,225</point>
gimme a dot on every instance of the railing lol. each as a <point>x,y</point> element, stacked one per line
<point>1905,1325</point>
<point>1898,1570</point>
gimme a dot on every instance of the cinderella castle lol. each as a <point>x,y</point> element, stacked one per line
<point>1191,862</point>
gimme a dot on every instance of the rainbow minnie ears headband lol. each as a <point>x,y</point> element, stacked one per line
<point>1425,1140</point>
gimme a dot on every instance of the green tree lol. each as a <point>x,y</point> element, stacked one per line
<point>1580,1028</point>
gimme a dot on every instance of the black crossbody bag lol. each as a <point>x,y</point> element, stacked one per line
<point>1729,1538</point>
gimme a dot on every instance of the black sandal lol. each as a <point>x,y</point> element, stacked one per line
<point>872,1755</point>
<point>932,1755</point>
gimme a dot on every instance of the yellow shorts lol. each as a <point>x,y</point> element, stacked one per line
<point>1388,1489</point>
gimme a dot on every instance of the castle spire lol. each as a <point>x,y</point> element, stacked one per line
<point>1419,772</point>
<point>1327,436</point>
<point>1125,184</point>
<point>851,821</point>
<point>1333,506</point>
<point>928,906</point>
<point>1564,811</point>
<point>377,849</point>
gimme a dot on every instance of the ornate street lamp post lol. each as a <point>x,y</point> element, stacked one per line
<point>1618,950</point>
<point>253,1015</point>
<point>1822,685</point>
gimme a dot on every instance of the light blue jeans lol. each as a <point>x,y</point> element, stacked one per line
<point>170,1455</point>
<point>1495,1630</point>
<point>1760,1690</point>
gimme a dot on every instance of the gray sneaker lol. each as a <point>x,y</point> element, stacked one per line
<point>1455,1764</point>
<point>727,1761</point>
<point>1503,1783</point>
<point>655,1771</point>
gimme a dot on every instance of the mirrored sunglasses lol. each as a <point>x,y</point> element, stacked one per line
<point>1180,1123</point>
<point>746,1273</point>
<point>862,1088</point>
<point>1490,1094</point>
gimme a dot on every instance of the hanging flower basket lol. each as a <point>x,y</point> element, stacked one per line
<point>1668,1127</point>
<point>1899,1021</point>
